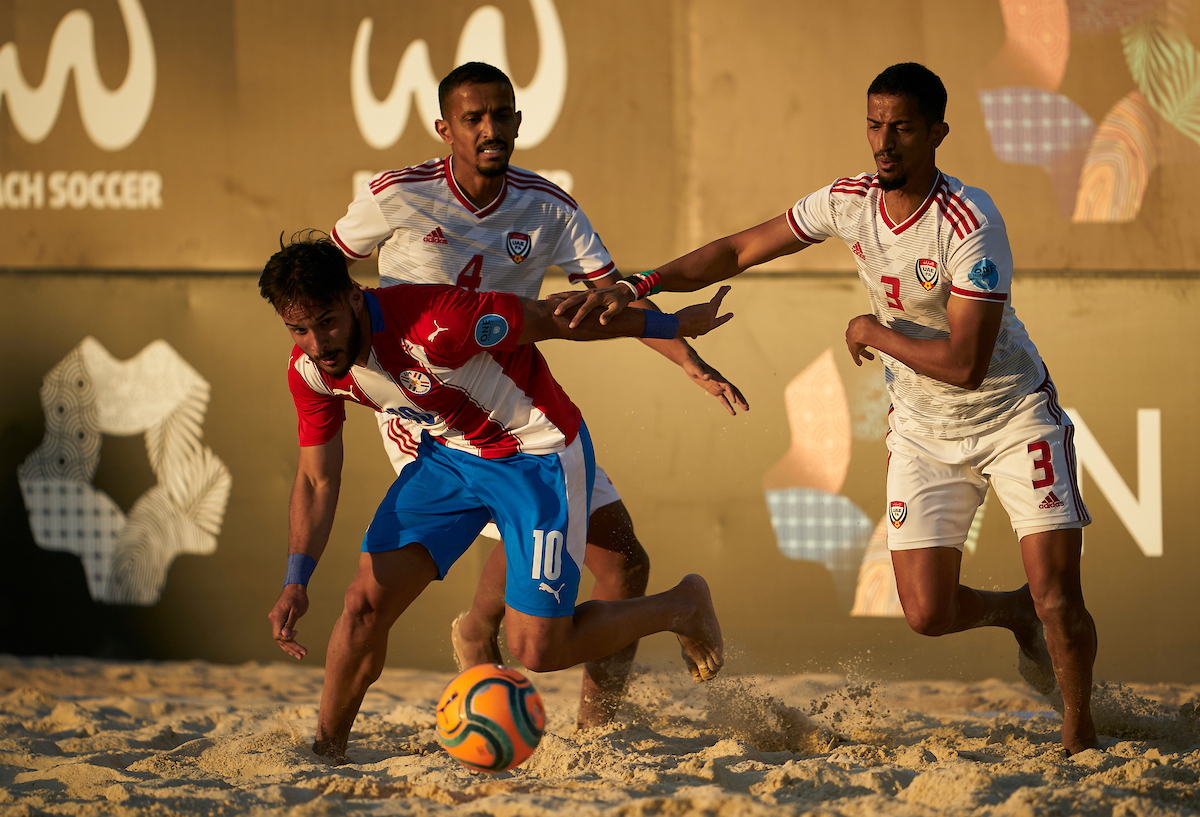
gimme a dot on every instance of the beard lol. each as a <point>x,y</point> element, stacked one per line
<point>894,183</point>
<point>353,347</point>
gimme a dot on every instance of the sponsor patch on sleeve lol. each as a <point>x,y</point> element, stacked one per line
<point>984,275</point>
<point>490,330</point>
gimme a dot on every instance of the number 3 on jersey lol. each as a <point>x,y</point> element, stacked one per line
<point>471,277</point>
<point>893,291</point>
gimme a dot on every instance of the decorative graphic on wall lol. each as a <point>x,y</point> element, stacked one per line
<point>112,119</point>
<point>381,123</point>
<point>1099,171</point>
<point>156,393</point>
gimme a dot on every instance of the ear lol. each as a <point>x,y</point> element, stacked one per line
<point>518,130</point>
<point>356,299</point>
<point>443,129</point>
<point>939,132</point>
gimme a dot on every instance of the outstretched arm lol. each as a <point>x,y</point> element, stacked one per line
<point>961,359</point>
<point>542,322</point>
<point>310,518</point>
<point>715,261</point>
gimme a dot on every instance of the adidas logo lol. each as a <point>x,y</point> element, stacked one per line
<point>858,250</point>
<point>436,236</point>
<point>1051,501</point>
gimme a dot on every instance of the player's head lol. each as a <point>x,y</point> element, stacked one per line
<point>480,119</point>
<point>308,284</point>
<point>906,111</point>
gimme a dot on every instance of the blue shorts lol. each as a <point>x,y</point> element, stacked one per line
<point>540,503</point>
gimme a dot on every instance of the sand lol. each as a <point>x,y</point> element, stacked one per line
<point>84,737</point>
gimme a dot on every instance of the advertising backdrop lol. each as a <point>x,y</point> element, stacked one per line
<point>153,153</point>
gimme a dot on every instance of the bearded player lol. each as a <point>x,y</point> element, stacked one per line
<point>972,402</point>
<point>471,220</point>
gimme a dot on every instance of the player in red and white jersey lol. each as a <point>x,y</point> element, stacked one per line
<point>973,404</point>
<point>472,220</point>
<point>502,441</point>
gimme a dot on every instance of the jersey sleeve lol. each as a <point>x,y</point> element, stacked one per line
<point>981,266</point>
<point>581,253</point>
<point>812,218</point>
<point>363,228</point>
<point>319,416</point>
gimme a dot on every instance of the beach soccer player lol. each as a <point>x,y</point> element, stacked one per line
<point>972,402</point>
<point>472,220</point>
<point>501,441</point>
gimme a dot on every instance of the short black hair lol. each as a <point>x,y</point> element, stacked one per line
<point>308,270</point>
<point>470,73</point>
<point>915,80</point>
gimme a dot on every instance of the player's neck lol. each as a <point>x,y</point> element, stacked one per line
<point>905,201</point>
<point>480,190</point>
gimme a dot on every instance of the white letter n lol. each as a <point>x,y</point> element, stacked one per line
<point>1141,516</point>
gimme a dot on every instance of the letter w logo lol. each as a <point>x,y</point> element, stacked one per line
<point>382,123</point>
<point>112,119</point>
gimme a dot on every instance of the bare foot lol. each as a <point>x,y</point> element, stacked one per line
<point>469,652</point>
<point>700,636</point>
<point>333,754</point>
<point>1033,657</point>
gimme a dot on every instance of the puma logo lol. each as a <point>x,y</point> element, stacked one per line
<point>552,591</point>
<point>437,330</point>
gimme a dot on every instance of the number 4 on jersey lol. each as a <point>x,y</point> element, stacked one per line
<point>471,277</point>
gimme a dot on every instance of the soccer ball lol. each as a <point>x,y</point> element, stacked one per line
<point>490,718</point>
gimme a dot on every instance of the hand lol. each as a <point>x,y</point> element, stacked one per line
<point>713,382</point>
<point>700,319</point>
<point>293,603</point>
<point>857,333</point>
<point>613,299</point>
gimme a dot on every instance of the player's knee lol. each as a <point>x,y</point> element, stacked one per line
<point>929,621</point>
<point>360,613</point>
<point>538,655</point>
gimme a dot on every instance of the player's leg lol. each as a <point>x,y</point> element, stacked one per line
<point>474,635</point>
<point>1052,564</point>
<point>600,628</point>
<point>622,571</point>
<point>383,588</point>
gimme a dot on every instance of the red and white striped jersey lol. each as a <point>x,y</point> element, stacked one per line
<point>955,244</point>
<point>447,360</point>
<point>428,231</point>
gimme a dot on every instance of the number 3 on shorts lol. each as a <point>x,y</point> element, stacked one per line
<point>547,554</point>
<point>1041,462</point>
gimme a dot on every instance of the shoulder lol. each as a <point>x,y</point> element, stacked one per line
<point>528,182</point>
<point>390,182</point>
<point>853,186</point>
<point>967,208</point>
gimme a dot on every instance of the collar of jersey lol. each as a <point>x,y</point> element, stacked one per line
<point>915,217</point>
<point>375,310</point>
<point>479,212</point>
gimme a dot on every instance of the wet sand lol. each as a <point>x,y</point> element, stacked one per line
<point>83,737</point>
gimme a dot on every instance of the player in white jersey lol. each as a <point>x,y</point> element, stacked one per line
<point>972,402</point>
<point>503,442</point>
<point>471,220</point>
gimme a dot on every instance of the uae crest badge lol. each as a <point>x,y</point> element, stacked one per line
<point>897,512</point>
<point>518,245</point>
<point>927,272</point>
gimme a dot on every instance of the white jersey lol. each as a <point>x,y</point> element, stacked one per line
<point>955,244</point>
<point>429,232</point>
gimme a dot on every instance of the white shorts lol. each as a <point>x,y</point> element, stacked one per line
<point>935,486</point>
<point>400,441</point>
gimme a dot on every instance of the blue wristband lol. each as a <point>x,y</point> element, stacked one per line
<point>660,325</point>
<point>300,569</point>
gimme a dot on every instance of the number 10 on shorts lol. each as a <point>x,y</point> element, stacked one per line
<point>547,554</point>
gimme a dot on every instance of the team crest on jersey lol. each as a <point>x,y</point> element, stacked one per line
<point>927,272</point>
<point>984,274</point>
<point>490,330</point>
<point>897,512</point>
<point>415,381</point>
<point>518,245</point>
